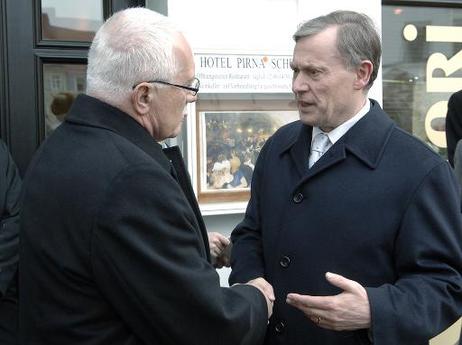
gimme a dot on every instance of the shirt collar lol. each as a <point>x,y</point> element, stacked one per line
<point>339,131</point>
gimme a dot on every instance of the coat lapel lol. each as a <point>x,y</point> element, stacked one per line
<point>182,176</point>
<point>366,140</point>
<point>334,155</point>
<point>300,149</point>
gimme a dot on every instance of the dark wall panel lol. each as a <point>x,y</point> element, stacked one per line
<point>22,98</point>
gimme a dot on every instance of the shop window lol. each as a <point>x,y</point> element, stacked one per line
<point>422,67</point>
<point>61,84</point>
<point>71,20</point>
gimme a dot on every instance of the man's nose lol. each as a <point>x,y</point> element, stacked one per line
<point>191,98</point>
<point>299,84</point>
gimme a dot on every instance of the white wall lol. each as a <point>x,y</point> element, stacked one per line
<point>263,26</point>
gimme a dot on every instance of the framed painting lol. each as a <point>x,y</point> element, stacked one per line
<point>230,135</point>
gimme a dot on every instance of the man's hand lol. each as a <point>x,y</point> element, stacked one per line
<point>219,249</point>
<point>348,310</point>
<point>267,290</point>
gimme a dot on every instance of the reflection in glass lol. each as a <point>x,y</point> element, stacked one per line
<point>61,84</point>
<point>71,20</point>
<point>419,69</point>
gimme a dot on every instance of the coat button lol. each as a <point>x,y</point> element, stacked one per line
<point>279,327</point>
<point>284,261</point>
<point>298,198</point>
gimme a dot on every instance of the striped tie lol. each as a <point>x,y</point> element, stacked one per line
<point>321,144</point>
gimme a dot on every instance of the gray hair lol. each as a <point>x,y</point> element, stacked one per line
<point>357,38</point>
<point>132,46</point>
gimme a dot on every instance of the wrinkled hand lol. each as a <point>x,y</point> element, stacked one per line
<point>348,310</point>
<point>267,291</point>
<point>218,249</point>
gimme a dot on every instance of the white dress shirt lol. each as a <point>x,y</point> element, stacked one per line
<point>338,132</point>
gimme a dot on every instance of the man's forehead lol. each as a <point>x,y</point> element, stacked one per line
<point>305,55</point>
<point>306,60</point>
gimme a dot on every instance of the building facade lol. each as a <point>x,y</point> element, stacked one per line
<point>242,50</point>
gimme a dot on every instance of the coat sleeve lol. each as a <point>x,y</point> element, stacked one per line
<point>149,261</point>
<point>10,190</point>
<point>247,259</point>
<point>427,295</point>
<point>453,124</point>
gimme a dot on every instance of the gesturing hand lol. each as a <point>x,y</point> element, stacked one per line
<point>348,310</point>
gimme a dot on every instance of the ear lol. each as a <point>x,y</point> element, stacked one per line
<point>141,98</point>
<point>363,74</point>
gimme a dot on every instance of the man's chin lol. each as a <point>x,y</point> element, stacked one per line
<point>175,133</point>
<point>308,119</point>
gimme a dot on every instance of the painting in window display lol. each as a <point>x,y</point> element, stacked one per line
<point>229,144</point>
<point>61,84</point>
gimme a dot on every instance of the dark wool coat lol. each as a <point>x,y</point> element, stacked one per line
<point>112,252</point>
<point>379,207</point>
<point>454,124</point>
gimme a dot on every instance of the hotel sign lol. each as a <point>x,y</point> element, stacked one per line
<point>244,73</point>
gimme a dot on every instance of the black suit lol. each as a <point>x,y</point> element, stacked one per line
<point>112,252</point>
<point>454,124</point>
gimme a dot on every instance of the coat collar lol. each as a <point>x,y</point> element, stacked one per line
<point>90,111</point>
<point>366,140</point>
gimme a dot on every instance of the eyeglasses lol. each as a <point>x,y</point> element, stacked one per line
<point>193,87</point>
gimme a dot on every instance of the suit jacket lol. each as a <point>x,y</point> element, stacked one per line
<point>379,207</point>
<point>454,124</point>
<point>111,250</point>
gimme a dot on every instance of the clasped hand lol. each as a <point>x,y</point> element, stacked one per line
<point>267,290</point>
<point>219,249</point>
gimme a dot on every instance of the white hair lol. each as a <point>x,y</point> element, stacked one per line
<point>132,46</point>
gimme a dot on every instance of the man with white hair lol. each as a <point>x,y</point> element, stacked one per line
<point>113,248</point>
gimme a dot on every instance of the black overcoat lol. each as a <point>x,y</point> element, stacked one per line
<point>453,124</point>
<point>380,207</point>
<point>111,250</point>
